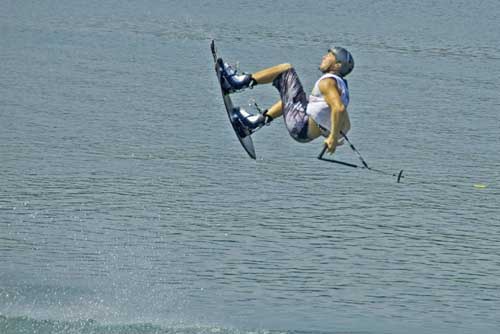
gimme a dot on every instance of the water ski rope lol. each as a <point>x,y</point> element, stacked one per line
<point>399,175</point>
<point>363,162</point>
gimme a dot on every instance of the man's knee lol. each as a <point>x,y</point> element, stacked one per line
<point>286,66</point>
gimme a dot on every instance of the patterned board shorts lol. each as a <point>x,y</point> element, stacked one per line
<point>294,104</point>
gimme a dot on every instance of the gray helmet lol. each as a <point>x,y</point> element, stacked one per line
<point>345,58</point>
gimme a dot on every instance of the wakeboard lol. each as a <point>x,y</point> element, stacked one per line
<point>242,133</point>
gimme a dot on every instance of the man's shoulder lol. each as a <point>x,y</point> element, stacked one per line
<point>327,82</point>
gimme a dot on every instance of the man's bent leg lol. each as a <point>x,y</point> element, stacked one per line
<point>293,104</point>
<point>269,74</point>
<point>276,110</point>
<point>234,81</point>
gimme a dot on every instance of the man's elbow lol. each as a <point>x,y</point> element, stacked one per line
<point>339,107</point>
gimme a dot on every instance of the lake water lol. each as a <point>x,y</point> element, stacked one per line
<point>128,206</point>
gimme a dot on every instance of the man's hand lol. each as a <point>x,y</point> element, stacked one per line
<point>331,144</point>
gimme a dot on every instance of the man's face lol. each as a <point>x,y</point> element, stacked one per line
<point>328,62</point>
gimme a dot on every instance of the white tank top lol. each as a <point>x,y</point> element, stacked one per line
<point>317,107</point>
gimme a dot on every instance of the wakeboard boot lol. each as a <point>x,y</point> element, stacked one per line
<point>249,123</point>
<point>232,80</point>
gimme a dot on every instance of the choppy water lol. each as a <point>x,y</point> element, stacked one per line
<point>127,205</point>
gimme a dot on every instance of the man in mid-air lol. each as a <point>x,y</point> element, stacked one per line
<point>323,113</point>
